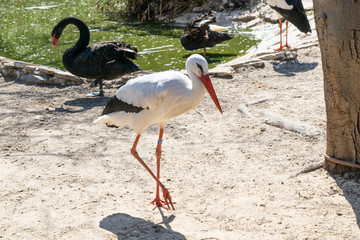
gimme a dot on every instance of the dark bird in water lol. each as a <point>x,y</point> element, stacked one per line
<point>199,34</point>
<point>293,11</point>
<point>103,60</point>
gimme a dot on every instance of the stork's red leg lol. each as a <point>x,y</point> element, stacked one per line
<point>280,25</point>
<point>287,26</point>
<point>166,193</point>
<point>157,201</point>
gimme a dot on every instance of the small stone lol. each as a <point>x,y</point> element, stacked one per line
<point>29,69</point>
<point>222,71</point>
<point>244,18</point>
<point>8,72</point>
<point>254,22</point>
<point>273,56</point>
<point>32,78</point>
<point>20,64</point>
<point>8,65</point>
<point>47,70</point>
<point>66,75</point>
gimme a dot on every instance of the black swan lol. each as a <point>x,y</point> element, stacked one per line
<point>198,34</point>
<point>293,11</point>
<point>103,60</point>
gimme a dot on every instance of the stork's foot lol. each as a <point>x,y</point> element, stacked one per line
<point>164,203</point>
<point>283,48</point>
<point>95,94</point>
<point>159,203</point>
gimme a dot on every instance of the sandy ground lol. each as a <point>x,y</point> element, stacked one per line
<point>231,176</point>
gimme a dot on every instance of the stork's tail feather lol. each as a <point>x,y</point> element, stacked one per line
<point>115,119</point>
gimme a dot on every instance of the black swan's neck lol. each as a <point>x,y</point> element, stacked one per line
<point>84,38</point>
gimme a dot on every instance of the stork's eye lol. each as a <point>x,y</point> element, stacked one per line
<point>201,68</point>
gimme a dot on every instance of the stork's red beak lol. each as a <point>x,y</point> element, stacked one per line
<point>54,41</point>
<point>205,79</point>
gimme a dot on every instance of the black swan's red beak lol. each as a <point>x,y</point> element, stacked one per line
<point>54,41</point>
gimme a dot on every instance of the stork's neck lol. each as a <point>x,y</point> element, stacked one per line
<point>198,89</point>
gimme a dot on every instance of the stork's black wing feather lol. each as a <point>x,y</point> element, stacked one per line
<point>116,105</point>
<point>296,15</point>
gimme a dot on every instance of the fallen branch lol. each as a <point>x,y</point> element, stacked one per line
<point>289,124</point>
<point>257,101</point>
<point>310,168</point>
<point>242,108</point>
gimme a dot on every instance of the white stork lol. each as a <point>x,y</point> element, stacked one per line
<point>293,11</point>
<point>156,98</point>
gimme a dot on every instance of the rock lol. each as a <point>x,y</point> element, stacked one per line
<point>8,65</point>
<point>254,22</point>
<point>32,78</point>
<point>288,55</point>
<point>29,69</point>
<point>66,76</point>
<point>8,72</point>
<point>18,73</point>
<point>222,71</point>
<point>257,63</point>
<point>244,18</point>
<point>47,70</point>
<point>20,64</point>
<point>273,56</point>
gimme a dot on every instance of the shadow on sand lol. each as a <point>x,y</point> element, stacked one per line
<point>290,68</point>
<point>125,226</point>
<point>83,104</point>
<point>350,185</point>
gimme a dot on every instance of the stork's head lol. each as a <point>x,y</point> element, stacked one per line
<point>198,65</point>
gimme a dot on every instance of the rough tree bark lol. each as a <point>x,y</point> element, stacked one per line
<point>338,29</point>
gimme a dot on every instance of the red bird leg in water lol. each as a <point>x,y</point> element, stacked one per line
<point>166,193</point>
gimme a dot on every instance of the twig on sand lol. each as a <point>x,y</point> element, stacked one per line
<point>309,168</point>
<point>257,101</point>
<point>201,115</point>
<point>242,108</point>
<point>245,110</point>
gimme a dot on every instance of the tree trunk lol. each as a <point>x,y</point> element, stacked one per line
<point>338,29</point>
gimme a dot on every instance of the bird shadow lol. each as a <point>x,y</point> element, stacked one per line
<point>290,68</point>
<point>83,104</point>
<point>350,185</point>
<point>125,226</point>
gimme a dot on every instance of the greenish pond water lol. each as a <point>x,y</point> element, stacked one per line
<point>25,34</point>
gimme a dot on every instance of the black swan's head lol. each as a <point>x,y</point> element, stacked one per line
<point>58,29</point>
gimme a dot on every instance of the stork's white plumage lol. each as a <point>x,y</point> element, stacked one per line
<point>156,98</point>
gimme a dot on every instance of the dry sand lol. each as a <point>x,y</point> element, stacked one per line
<point>231,176</point>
